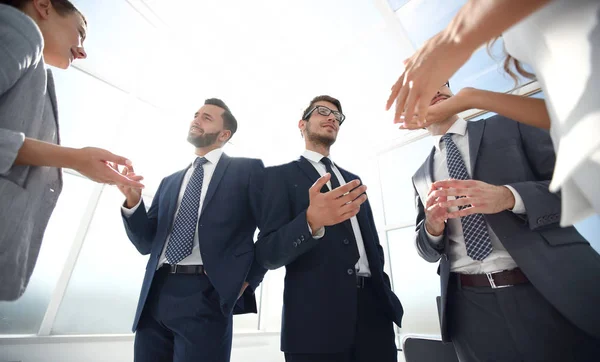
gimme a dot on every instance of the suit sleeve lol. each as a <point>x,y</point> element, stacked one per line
<point>141,225</point>
<point>428,250</point>
<point>256,196</point>
<point>284,236</point>
<point>543,207</point>
<point>20,49</point>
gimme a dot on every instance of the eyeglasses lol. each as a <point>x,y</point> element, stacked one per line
<point>447,84</point>
<point>324,111</point>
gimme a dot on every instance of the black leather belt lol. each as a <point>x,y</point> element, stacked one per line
<point>362,281</point>
<point>183,269</point>
<point>506,278</point>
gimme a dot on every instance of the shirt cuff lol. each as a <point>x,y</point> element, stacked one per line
<point>434,240</point>
<point>519,207</point>
<point>320,233</point>
<point>128,212</point>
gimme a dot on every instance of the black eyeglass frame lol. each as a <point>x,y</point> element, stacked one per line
<point>335,113</point>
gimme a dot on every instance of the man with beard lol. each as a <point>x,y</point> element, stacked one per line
<point>515,286</point>
<point>199,234</point>
<point>338,304</point>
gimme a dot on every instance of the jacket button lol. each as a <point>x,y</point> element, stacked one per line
<point>295,244</point>
<point>346,242</point>
<point>299,241</point>
<point>539,221</point>
<point>301,237</point>
<point>350,271</point>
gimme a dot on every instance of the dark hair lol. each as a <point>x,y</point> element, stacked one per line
<point>62,7</point>
<point>511,63</point>
<point>329,99</point>
<point>229,121</point>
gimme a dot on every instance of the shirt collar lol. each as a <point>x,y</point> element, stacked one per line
<point>315,156</point>
<point>212,157</point>
<point>459,127</point>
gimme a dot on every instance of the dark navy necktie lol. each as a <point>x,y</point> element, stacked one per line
<point>335,183</point>
<point>477,238</point>
<point>181,241</point>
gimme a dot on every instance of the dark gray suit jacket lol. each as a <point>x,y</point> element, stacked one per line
<point>27,109</point>
<point>559,262</point>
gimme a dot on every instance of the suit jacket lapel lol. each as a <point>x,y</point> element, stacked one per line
<point>424,177</point>
<point>309,170</point>
<point>348,177</point>
<point>475,131</point>
<point>52,94</point>
<point>172,194</point>
<point>215,180</point>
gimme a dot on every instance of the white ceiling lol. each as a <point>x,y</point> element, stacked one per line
<point>265,58</point>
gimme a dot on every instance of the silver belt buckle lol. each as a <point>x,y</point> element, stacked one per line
<point>490,277</point>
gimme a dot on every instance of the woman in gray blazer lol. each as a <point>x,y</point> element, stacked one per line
<point>34,33</point>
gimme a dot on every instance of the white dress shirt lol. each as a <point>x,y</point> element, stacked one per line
<point>194,258</point>
<point>460,262</point>
<point>362,266</point>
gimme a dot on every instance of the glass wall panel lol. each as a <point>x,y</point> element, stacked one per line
<point>104,288</point>
<point>397,168</point>
<point>90,110</point>
<point>416,283</point>
<point>25,315</point>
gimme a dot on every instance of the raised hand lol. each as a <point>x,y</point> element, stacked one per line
<point>133,194</point>
<point>441,111</point>
<point>95,163</point>
<point>432,65</point>
<point>335,206</point>
<point>478,197</point>
<point>435,215</point>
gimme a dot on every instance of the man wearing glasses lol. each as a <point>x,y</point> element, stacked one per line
<point>338,304</point>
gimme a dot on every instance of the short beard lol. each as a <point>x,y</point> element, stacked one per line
<point>318,139</point>
<point>204,140</point>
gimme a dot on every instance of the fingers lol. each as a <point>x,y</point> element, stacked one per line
<point>411,100</point>
<point>135,177</point>
<point>436,214</point>
<point>119,160</point>
<point>356,200</point>
<point>344,189</point>
<point>422,108</point>
<point>395,89</point>
<point>464,212</point>
<point>455,192</point>
<point>351,196</point>
<point>454,184</point>
<point>119,179</point>
<point>400,102</point>
<point>114,166</point>
<point>434,196</point>
<point>352,209</point>
<point>318,185</point>
<point>463,201</point>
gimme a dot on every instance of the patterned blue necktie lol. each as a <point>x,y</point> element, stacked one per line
<point>475,231</point>
<point>181,241</point>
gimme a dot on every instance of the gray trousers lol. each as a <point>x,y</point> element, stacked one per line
<point>513,324</point>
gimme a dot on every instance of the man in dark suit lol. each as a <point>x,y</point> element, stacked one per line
<point>199,234</point>
<point>514,285</point>
<point>338,305</point>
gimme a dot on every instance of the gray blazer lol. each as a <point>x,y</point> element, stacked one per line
<point>27,109</point>
<point>559,262</point>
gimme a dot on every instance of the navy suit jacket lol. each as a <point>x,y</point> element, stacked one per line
<point>559,262</point>
<point>320,296</point>
<point>226,230</point>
